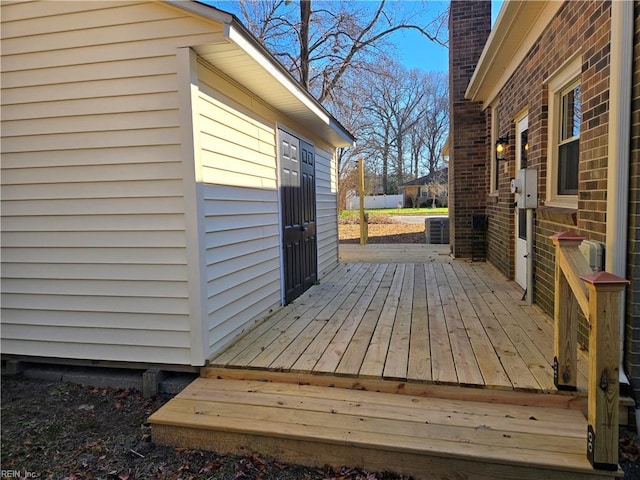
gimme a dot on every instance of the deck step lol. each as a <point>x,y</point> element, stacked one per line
<point>425,437</point>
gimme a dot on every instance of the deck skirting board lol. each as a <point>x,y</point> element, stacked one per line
<point>318,454</point>
<point>427,438</point>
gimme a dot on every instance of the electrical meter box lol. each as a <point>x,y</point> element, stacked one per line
<point>526,186</point>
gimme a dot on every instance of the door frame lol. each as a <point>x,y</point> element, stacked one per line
<point>281,128</point>
<point>519,217</point>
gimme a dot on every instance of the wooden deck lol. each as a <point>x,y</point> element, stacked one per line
<point>454,323</point>
<point>319,382</point>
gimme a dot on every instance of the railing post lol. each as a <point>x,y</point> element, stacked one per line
<point>565,337</point>
<point>364,226</point>
<point>605,292</point>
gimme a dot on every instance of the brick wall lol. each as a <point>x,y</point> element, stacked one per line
<point>632,333</point>
<point>469,27</point>
<point>579,28</point>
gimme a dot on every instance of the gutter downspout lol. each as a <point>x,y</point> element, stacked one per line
<point>621,68</point>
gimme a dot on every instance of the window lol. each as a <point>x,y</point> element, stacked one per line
<point>565,114</point>
<point>569,141</point>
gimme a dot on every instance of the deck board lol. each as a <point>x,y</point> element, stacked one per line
<point>490,364</point>
<point>443,322</point>
<point>397,360</point>
<point>419,366</point>
<point>467,368</point>
<point>376,356</point>
<point>357,349</point>
<point>330,358</point>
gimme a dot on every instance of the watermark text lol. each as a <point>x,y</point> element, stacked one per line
<point>18,474</point>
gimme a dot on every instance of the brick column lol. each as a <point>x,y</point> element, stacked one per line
<point>469,27</point>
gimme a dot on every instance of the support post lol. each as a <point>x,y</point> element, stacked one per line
<point>565,325</point>
<point>605,290</point>
<point>151,382</point>
<point>15,367</point>
<point>364,227</point>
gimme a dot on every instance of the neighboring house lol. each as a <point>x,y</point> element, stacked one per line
<point>165,182</point>
<point>426,190</point>
<point>560,81</point>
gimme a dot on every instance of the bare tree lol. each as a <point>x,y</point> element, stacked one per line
<point>339,51</point>
<point>435,124</point>
<point>400,119</point>
<point>326,39</point>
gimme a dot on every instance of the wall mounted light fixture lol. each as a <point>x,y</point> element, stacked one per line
<point>501,147</point>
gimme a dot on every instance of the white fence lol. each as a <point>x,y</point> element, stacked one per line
<point>376,201</point>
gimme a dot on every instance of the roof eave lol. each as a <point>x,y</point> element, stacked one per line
<point>518,26</point>
<point>236,34</point>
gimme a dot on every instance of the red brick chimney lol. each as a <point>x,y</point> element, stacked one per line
<point>469,150</point>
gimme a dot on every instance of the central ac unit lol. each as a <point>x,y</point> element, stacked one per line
<point>436,230</point>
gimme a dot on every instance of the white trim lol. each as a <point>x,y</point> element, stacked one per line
<point>201,10</point>
<point>619,134</point>
<point>280,207</point>
<point>520,265</point>
<point>620,88</point>
<point>562,78</point>
<point>193,205</point>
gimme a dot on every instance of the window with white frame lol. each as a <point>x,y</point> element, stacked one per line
<point>569,140</point>
<point>565,114</point>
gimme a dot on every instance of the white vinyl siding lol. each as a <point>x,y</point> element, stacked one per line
<point>93,230</point>
<point>239,171</point>
<point>326,212</point>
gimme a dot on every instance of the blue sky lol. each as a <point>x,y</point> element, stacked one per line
<point>416,51</point>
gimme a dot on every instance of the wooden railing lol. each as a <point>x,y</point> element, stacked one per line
<point>599,296</point>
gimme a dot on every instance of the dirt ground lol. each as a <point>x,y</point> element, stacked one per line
<point>60,431</point>
<point>383,233</point>
<point>53,430</point>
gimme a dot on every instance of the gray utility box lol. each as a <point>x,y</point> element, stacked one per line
<point>436,230</point>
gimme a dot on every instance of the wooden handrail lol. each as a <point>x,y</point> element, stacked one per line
<point>599,295</point>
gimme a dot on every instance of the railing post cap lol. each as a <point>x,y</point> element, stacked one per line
<point>567,238</point>
<point>604,278</point>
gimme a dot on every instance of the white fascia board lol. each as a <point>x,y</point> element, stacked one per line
<point>202,10</point>
<point>339,129</point>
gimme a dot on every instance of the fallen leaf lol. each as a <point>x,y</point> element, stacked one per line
<point>483,427</point>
